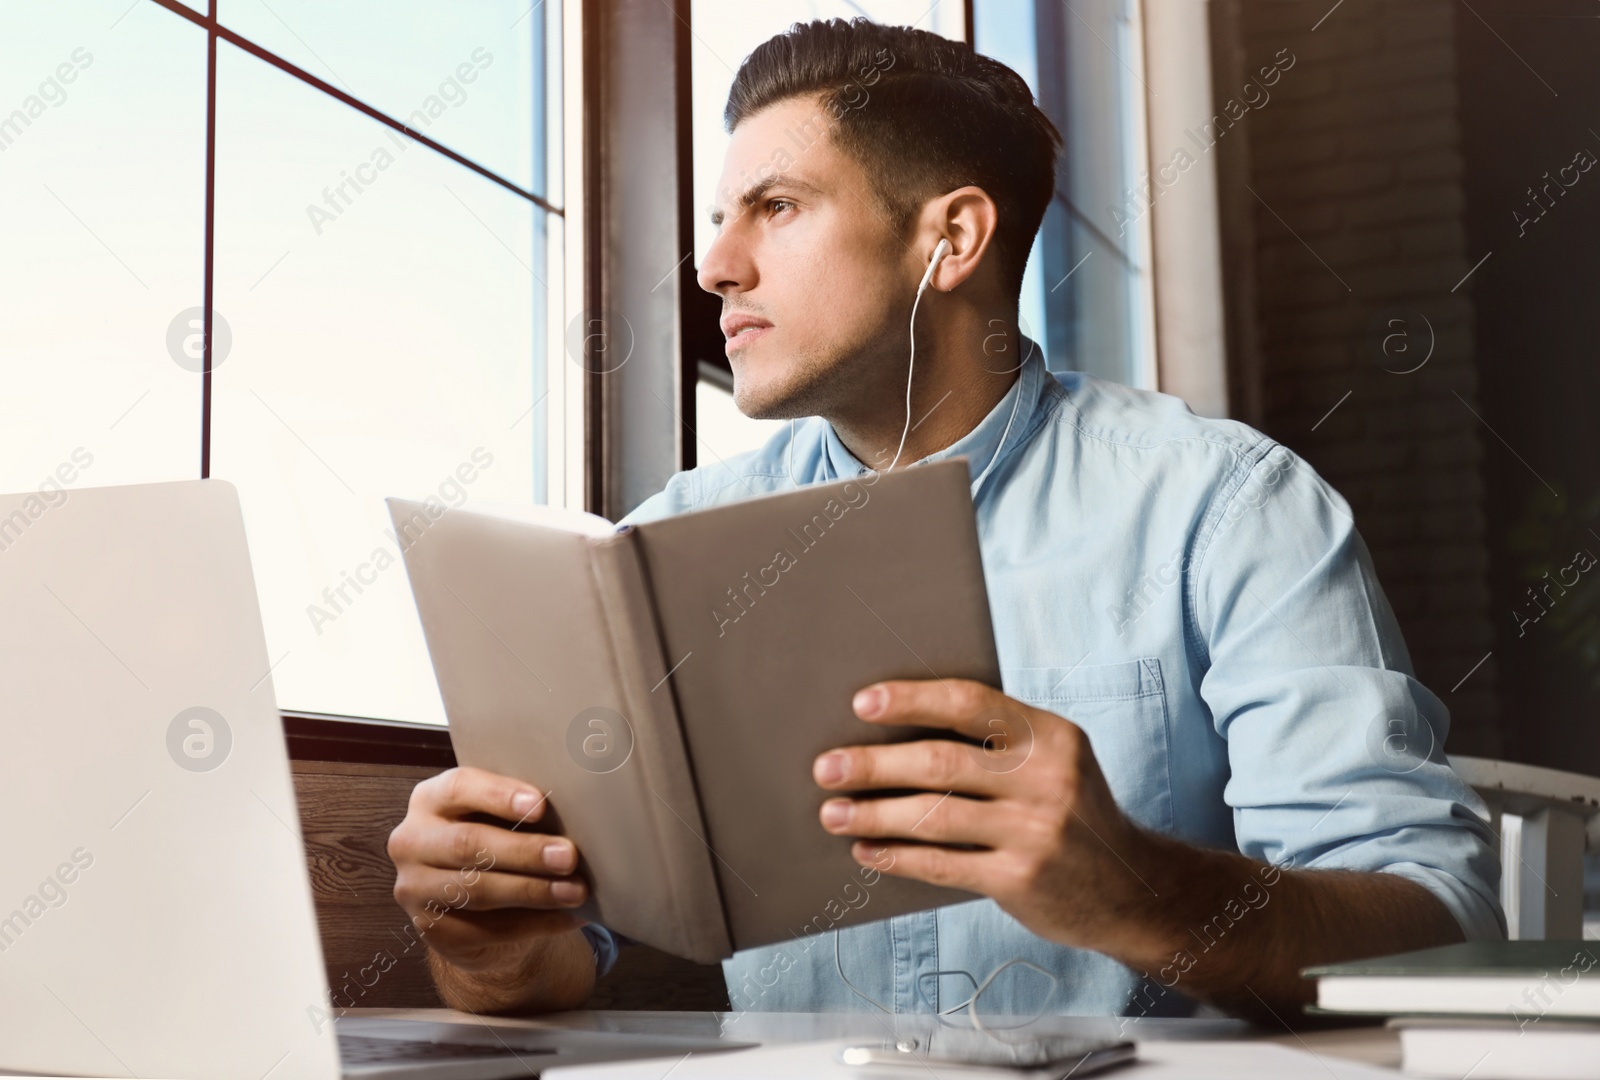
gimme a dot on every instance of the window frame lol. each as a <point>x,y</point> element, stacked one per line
<point>638,407</point>
<point>326,737</point>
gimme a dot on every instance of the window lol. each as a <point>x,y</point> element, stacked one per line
<point>1086,295</point>
<point>384,257</point>
<point>104,191</point>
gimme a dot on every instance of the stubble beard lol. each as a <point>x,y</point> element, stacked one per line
<point>833,384</point>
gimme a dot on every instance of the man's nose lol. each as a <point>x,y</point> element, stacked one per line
<point>724,269</point>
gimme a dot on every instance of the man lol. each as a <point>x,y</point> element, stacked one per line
<point>1232,772</point>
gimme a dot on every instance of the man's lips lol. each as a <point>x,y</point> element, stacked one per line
<point>740,329</point>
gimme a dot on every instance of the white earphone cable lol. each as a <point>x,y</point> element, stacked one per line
<point>911,366</point>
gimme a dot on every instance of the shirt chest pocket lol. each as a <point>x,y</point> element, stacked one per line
<point>1122,707</point>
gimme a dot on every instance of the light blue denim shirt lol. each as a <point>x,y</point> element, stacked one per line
<point>1197,599</point>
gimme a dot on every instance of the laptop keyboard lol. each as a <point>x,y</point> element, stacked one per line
<point>365,1050</point>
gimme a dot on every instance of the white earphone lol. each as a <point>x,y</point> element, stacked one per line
<point>933,264</point>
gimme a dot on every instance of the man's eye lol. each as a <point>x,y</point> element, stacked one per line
<point>775,206</point>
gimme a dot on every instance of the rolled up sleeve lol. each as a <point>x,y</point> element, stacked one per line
<point>1336,752</point>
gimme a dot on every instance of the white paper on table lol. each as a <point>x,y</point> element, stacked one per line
<point>1209,1060</point>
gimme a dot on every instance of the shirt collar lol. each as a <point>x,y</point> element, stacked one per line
<point>980,445</point>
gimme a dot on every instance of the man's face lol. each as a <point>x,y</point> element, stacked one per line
<point>813,279</point>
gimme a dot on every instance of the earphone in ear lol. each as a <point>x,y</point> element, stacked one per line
<point>933,264</point>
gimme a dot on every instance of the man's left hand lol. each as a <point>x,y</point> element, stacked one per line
<point>1026,817</point>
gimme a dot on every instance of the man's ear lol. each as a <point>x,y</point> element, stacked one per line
<point>967,217</point>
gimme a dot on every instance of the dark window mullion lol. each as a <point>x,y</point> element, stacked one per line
<point>216,30</point>
<point>208,263</point>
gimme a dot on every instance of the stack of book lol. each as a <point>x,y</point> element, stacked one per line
<point>1491,1010</point>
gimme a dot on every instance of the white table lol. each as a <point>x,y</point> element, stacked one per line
<point>1371,1045</point>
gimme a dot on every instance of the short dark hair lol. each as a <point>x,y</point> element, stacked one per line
<point>922,114</point>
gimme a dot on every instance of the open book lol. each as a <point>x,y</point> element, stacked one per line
<point>670,684</point>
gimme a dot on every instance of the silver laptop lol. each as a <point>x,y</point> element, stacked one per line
<point>155,909</point>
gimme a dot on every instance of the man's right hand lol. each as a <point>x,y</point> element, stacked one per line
<point>493,904</point>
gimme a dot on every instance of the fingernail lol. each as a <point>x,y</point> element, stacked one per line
<point>830,768</point>
<point>523,802</point>
<point>836,813</point>
<point>567,892</point>
<point>870,702</point>
<point>560,855</point>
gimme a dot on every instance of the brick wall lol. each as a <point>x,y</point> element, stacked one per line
<point>1357,218</point>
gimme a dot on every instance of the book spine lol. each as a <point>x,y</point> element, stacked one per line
<point>695,899</point>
